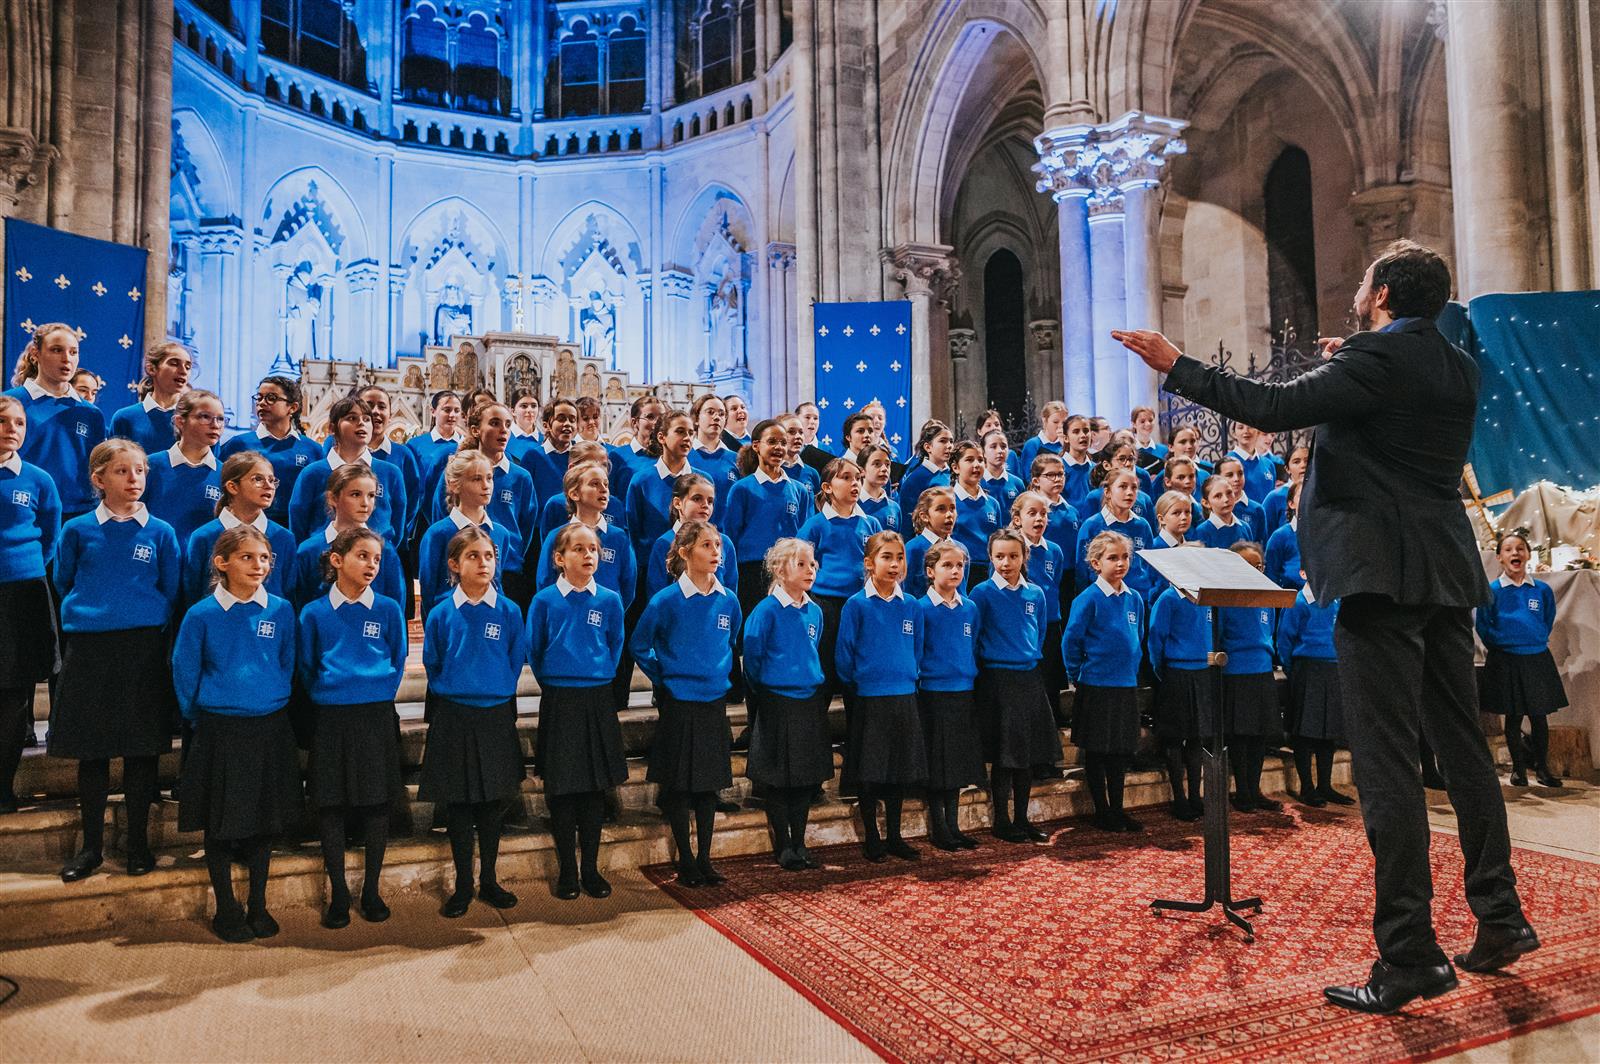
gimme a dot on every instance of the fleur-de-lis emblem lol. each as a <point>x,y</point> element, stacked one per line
<point>134,294</point>
<point>895,365</point>
<point>861,367</point>
<point>61,282</point>
<point>80,333</point>
<point>23,275</point>
<point>900,402</point>
<point>827,367</point>
<point>99,288</point>
<point>849,404</point>
<point>895,439</point>
<point>874,330</point>
<point>849,331</point>
<point>827,441</point>
<point>822,331</point>
<point>822,404</point>
<point>124,341</point>
<point>900,329</point>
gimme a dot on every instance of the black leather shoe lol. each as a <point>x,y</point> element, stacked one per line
<point>1009,833</point>
<point>810,861</point>
<point>1546,779</point>
<point>1107,821</point>
<point>1313,798</point>
<point>709,874</point>
<point>456,904</point>
<point>140,863</point>
<point>81,866</point>
<point>335,916</point>
<point>1391,989</point>
<point>1497,947</point>
<point>902,849</point>
<point>689,875</point>
<point>230,926</point>
<point>1336,797</point>
<point>724,806</point>
<point>1266,805</point>
<point>595,885</point>
<point>373,910</point>
<point>873,850</point>
<point>1031,833</point>
<point>1242,803</point>
<point>496,895</point>
<point>1130,825</point>
<point>1518,778</point>
<point>567,886</point>
<point>965,841</point>
<point>262,925</point>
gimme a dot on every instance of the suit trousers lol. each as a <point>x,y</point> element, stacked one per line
<point>1405,670</point>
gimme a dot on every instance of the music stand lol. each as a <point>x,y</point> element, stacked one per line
<point>1216,579</point>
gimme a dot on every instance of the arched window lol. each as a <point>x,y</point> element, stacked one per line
<point>625,52</point>
<point>479,86</point>
<point>716,46</point>
<point>595,73</point>
<point>1291,245</point>
<point>579,57</point>
<point>1004,332</point>
<point>315,35</point>
<point>424,69</point>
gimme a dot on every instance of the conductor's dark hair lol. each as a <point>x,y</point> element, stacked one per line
<point>1417,278</point>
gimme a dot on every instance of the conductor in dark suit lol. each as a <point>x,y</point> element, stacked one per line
<point>1382,529</point>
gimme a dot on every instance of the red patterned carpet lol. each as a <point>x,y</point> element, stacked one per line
<point>1049,953</point>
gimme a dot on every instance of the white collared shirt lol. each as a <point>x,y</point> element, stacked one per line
<point>504,465</point>
<point>176,456</point>
<point>549,446</point>
<point>489,599</point>
<point>762,478</point>
<point>1294,523</point>
<point>149,403</point>
<point>932,537</point>
<point>141,514</point>
<point>965,496</point>
<point>36,390</point>
<point>785,600</point>
<point>382,447</point>
<point>663,472</point>
<point>461,520</point>
<point>830,513</point>
<point>227,601</point>
<point>567,587</point>
<point>330,533</point>
<point>720,446</point>
<point>690,591</point>
<point>264,433</point>
<point>1000,582</point>
<point>636,447</point>
<point>1310,598</point>
<point>1108,517</point>
<point>1169,539</point>
<point>1216,522</point>
<point>1106,589</point>
<point>950,603</point>
<point>336,597</point>
<point>457,438</point>
<point>230,520</point>
<point>14,464</point>
<point>335,462</point>
<point>927,463</point>
<point>1506,581</point>
<point>1067,459</point>
<point>872,592</point>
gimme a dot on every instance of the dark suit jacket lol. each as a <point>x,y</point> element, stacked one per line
<point>816,457</point>
<point>1381,509</point>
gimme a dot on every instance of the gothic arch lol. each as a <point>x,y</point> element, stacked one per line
<point>784,209</point>
<point>621,233</point>
<point>715,199</point>
<point>208,179</point>
<point>339,210</point>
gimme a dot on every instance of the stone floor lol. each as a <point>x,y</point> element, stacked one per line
<point>631,978</point>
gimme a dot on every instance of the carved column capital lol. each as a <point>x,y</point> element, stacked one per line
<point>1383,214</point>
<point>924,269</point>
<point>1103,162</point>
<point>961,341</point>
<point>21,159</point>
<point>780,256</point>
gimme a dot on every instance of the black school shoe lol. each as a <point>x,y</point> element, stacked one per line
<point>230,926</point>
<point>139,863</point>
<point>595,885</point>
<point>1497,947</point>
<point>1390,989</point>
<point>262,925</point>
<point>336,917</point>
<point>457,903</point>
<point>81,866</point>
<point>497,896</point>
<point>1328,794</point>
<point>373,910</point>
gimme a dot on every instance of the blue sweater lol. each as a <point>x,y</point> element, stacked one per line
<point>474,652</point>
<point>975,519</point>
<point>780,648</point>
<point>1253,515</point>
<point>616,570</point>
<point>289,457</point>
<point>625,465</point>
<point>512,505</point>
<point>1260,473</point>
<point>1143,507</point>
<point>918,479</point>
<point>1006,489</point>
<point>575,640</point>
<point>117,575</point>
<point>1139,574</point>
<point>720,467</point>
<point>184,496</point>
<point>685,643</point>
<point>308,508</point>
<point>1247,639</point>
<point>151,429</point>
<point>806,476</point>
<point>841,547</point>
<point>1518,619</point>
<point>433,565</point>
<point>353,654</point>
<point>916,581</point>
<point>61,433</point>
<point>30,523</point>
<point>1032,448</point>
<point>759,514</point>
<point>886,511</point>
<point>879,641</point>
<point>1275,508</point>
<point>553,513</point>
<point>1076,490</point>
<point>1061,528</point>
<point>404,459</point>
<point>430,454</point>
<point>197,556</point>
<point>1100,643</point>
<point>947,657</point>
<point>236,662</point>
<point>1047,566</point>
<point>1283,558</point>
<point>649,504</point>
<point>1306,631</point>
<point>1207,534</point>
<point>656,576</point>
<point>1011,625</point>
<point>1180,634</point>
<point>548,469</point>
<point>306,584</point>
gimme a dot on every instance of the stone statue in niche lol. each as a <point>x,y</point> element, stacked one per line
<point>566,386</point>
<point>614,390</point>
<point>453,315</point>
<point>438,374</point>
<point>597,324</point>
<point>465,377</point>
<point>589,383</point>
<point>413,381</point>
<point>521,376</point>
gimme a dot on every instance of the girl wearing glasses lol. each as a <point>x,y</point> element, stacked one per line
<point>249,487</point>
<point>185,486</point>
<point>278,436</point>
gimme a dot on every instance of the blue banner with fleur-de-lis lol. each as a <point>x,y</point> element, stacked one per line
<point>863,352</point>
<point>95,286</point>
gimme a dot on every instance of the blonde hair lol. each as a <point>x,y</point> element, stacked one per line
<point>939,550</point>
<point>1133,415</point>
<point>28,362</point>
<point>572,481</point>
<point>878,542</point>
<point>189,400</point>
<point>1024,499</point>
<point>1054,406</point>
<point>459,465</point>
<point>591,452</point>
<point>106,452</point>
<point>1104,542</point>
<point>566,534</point>
<point>785,553</point>
<point>1171,500</point>
<point>9,401</point>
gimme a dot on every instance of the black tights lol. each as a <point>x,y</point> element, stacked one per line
<point>575,822</point>
<point>139,790</point>
<point>678,805</point>
<point>1304,751</point>
<point>892,797</point>
<point>944,816</point>
<point>1248,754</point>
<point>16,714</point>
<point>1010,788</point>
<point>257,854</point>
<point>1532,752</point>
<point>1107,774</point>
<point>375,839</point>
<point>788,809</point>
<point>461,818</point>
<point>1183,762</point>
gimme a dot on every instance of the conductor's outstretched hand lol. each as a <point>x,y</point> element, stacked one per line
<point>1159,353</point>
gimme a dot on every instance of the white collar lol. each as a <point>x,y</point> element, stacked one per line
<point>853,457</point>
<point>517,433</point>
<point>1105,587</point>
<point>1067,459</point>
<point>504,465</point>
<point>37,391</point>
<point>1000,582</point>
<point>1059,502</point>
<point>931,536</point>
<point>550,448</point>
<point>1051,443</point>
<point>226,600</point>
<point>1033,544</point>
<point>600,527</point>
<point>231,520</point>
<point>567,587</point>
<point>461,520</point>
<point>1144,443</point>
<point>927,463</point>
<point>434,432</point>
<point>664,473</point>
<point>1506,581</point>
<point>999,478</point>
<point>330,533</point>
<point>176,456</point>
<point>1310,598</point>
<point>872,591</point>
<point>633,445</point>
<point>335,462</point>
<point>1218,524</point>
<point>1169,539</point>
<point>950,603</point>
<point>489,599</point>
<point>882,496</point>
<point>712,450</point>
<point>14,464</point>
<point>831,514</point>
<point>1294,523</point>
<point>149,403</point>
<point>690,591</point>
<point>383,446</point>
<point>762,478</point>
<point>141,514</point>
<point>784,600</point>
<point>336,597</point>
<point>264,433</point>
<point>965,496</point>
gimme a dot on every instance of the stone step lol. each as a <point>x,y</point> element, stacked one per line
<point>38,905</point>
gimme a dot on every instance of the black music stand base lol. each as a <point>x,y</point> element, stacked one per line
<point>1219,890</point>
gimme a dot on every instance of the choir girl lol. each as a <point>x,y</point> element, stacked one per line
<point>1178,474</point>
<point>30,528</point>
<point>637,453</point>
<point>1053,421</point>
<point>553,512</point>
<point>791,749</point>
<point>248,488</point>
<point>1315,718</point>
<point>1256,461</point>
<point>839,533</point>
<point>1048,477</point>
<point>1249,692</point>
<point>693,499</point>
<point>1117,515</point>
<point>524,424</point>
<point>858,435</point>
<point>1076,462</point>
<point>684,643</point>
<point>469,486</point>
<point>436,445</point>
<point>1174,518</point>
<point>548,461</point>
<point>1276,507</point>
<point>575,637</point>
<point>1120,455</point>
<point>513,504</point>
<point>586,491</point>
<point>934,522</point>
<point>1520,679</point>
<point>880,637</point>
<point>978,514</point>
<point>1151,450</point>
<point>351,423</point>
<point>1283,546</point>
<point>1020,740</point>
<point>278,435</point>
<point>62,429</point>
<point>737,432</point>
<point>764,505</point>
<point>349,503</point>
<point>148,422</point>
<point>947,670</point>
<point>404,458</point>
<point>877,466</point>
<point>649,506</point>
<point>991,421</point>
<point>930,465</point>
<point>184,488</point>
<point>1179,645</point>
<point>87,383</point>
<point>232,666</point>
<point>1102,650</point>
<point>118,571</point>
<point>1245,508</point>
<point>1047,567</point>
<point>1100,433</point>
<point>801,470</point>
<point>1225,525</point>
<point>1185,441</point>
<point>998,480</point>
<point>351,654</point>
<point>710,456</point>
<point>474,646</point>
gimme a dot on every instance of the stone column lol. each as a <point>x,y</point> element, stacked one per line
<point>1062,170</point>
<point>807,240</point>
<point>779,377</point>
<point>366,312</point>
<point>927,272</point>
<point>647,291</point>
<point>219,278</point>
<point>676,289</point>
<point>539,53</point>
<point>398,276</point>
<point>1108,297</point>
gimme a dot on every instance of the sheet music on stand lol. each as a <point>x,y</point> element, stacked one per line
<point>1209,576</point>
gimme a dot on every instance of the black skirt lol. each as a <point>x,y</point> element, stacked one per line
<point>832,608</point>
<point>28,642</point>
<point>472,754</point>
<point>578,747</point>
<point>1014,718</point>
<point>241,777</point>
<point>790,745</point>
<point>115,696</point>
<point>886,744</point>
<point>355,755</point>
<point>1250,705</point>
<point>1105,720</point>
<point>693,747</point>
<point>1529,684</point>
<point>1315,709</point>
<point>950,729</point>
<point>1055,670</point>
<point>1183,704</point>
